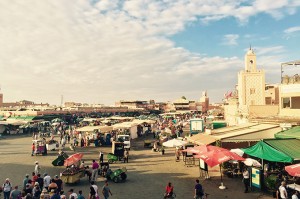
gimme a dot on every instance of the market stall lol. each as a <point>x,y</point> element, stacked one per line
<point>52,145</point>
<point>72,173</point>
<point>129,128</point>
<point>40,147</point>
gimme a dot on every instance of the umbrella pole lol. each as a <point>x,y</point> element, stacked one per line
<point>222,185</point>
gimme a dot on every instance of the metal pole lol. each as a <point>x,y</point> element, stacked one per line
<point>281,74</point>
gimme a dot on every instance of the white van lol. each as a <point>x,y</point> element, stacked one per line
<point>126,139</point>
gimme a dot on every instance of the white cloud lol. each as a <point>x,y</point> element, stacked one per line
<point>230,40</point>
<point>111,49</point>
<point>272,50</point>
<point>292,30</point>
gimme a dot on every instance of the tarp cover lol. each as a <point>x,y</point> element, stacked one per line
<point>264,151</point>
<point>291,133</point>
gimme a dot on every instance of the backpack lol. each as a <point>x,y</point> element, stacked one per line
<point>19,196</point>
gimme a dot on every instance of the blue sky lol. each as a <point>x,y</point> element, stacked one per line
<point>103,51</point>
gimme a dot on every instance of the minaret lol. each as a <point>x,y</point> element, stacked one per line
<point>250,61</point>
<point>251,84</point>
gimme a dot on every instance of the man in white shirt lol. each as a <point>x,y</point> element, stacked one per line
<point>282,191</point>
<point>37,168</point>
<point>295,195</point>
<point>47,180</point>
<point>72,194</point>
<point>95,188</point>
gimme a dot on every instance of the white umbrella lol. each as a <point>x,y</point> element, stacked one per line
<point>237,151</point>
<point>252,162</point>
<point>174,143</point>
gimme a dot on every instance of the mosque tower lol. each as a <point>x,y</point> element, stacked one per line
<point>251,84</point>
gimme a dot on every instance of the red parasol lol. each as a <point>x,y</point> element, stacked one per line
<point>73,159</point>
<point>293,170</point>
<point>203,149</point>
<point>215,157</point>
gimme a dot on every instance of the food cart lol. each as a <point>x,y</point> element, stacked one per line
<point>52,145</point>
<point>72,173</point>
<point>40,147</point>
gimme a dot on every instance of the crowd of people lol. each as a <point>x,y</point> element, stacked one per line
<point>38,187</point>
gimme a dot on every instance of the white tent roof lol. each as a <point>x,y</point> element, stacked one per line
<point>120,118</point>
<point>14,122</point>
<point>144,121</point>
<point>124,125</point>
<point>92,128</point>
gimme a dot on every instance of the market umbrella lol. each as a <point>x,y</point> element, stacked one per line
<point>203,149</point>
<point>238,151</point>
<point>217,155</point>
<point>73,159</point>
<point>174,143</point>
<point>293,170</point>
<point>252,162</point>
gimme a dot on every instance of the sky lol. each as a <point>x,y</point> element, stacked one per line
<point>103,51</point>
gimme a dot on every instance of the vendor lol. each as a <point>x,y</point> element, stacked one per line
<point>155,146</point>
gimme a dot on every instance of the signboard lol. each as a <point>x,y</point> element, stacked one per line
<point>196,125</point>
<point>202,165</point>
<point>189,154</point>
<point>255,177</point>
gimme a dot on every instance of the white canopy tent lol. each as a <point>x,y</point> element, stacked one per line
<point>131,126</point>
<point>102,129</point>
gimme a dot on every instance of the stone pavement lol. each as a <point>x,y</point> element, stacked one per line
<point>148,172</point>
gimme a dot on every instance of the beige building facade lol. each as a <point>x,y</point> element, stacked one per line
<point>251,85</point>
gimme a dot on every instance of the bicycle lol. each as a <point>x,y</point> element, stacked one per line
<point>173,196</point>
<point>205,196</point>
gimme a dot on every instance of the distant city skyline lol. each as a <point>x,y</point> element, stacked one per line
<point>103,51</point>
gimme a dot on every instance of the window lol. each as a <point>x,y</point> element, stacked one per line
<point>286,102</point>
<point>252,91</point>
<point>295,102</point>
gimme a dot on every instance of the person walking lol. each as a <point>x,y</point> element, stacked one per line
<point>7,188</point>
<point>32,149</point>
<point>25,181</point>
<point>37,168</point>
<point>95,167</point>
<point>95,187</point>
<point>198,194</point>
<point>246,179</point>
<point>59,183</point>
<point>47,180</point>
<point>16,193</point>
<point>40,180</point>
<point>126,155</point>
<point>72,194</point>
<point>101,156</point>
<point>169,190</point>
<point>80,196</point>
<point>106,190</point>
<point>92,194</point>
